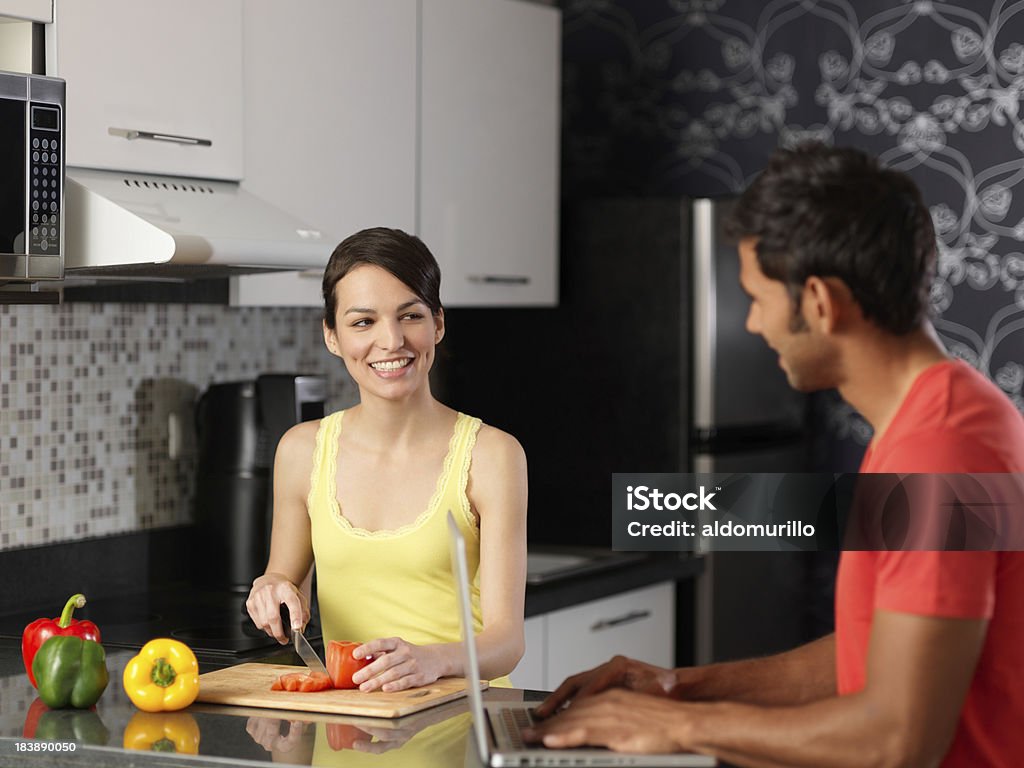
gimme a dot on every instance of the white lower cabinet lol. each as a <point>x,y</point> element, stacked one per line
<point>531,670</point>
<point>639,624</point>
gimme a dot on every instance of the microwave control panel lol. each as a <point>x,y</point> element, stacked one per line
<point>46,180</point>
<point>31,178</point>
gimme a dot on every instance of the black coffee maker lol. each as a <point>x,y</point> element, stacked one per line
<point>238,426</point>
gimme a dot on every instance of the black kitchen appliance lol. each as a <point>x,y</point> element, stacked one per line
<point>238,425</point>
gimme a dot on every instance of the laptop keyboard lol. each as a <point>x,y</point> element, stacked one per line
<point>513,722</point>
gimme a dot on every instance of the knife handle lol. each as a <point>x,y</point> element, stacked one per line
<point>286,622</point>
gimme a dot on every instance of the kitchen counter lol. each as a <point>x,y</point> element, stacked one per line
<point>434,738</point>
<point>438,736</point>
<point>622,572</point>
<point>590,575</point>
<point>237,735</point>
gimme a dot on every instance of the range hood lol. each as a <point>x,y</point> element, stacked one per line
<point>130,225</point>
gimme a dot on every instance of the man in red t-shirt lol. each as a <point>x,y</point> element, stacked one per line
<point>926,665</point>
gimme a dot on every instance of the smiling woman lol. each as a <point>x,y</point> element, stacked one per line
<point>363,493</point>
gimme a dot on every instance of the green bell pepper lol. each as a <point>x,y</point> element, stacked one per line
<point>70,672</point>
<point>83,726</point>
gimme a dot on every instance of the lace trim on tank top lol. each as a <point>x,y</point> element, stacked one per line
<point>324,432</point>
<point>467,459</point>
<point>331,491</point>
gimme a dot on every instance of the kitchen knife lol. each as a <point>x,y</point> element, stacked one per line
<point>307,654</point>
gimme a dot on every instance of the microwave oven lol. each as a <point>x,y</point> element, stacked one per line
<point>32,169</point>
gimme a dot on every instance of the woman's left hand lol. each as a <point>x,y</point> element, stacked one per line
<point>398,665</point>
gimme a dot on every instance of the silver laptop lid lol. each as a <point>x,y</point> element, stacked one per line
<point>471,670</point>
<point>470,664</point>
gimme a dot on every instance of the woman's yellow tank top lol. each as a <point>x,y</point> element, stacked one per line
<point>373,584</point>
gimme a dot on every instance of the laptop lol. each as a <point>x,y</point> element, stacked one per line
<point>497,725</point>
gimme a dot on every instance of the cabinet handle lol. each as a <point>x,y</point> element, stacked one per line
<point>502,279</point>
<point>618,621</point>
<point>131,134</point>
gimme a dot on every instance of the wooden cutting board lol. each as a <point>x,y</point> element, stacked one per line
<point>248,685</point>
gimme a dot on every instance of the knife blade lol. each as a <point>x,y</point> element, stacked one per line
<point>307,654</point>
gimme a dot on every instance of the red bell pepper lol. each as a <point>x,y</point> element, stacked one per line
<point>341,664</point>
<point>32,717</point>
<point>343,736</point>
<point>41,630</point>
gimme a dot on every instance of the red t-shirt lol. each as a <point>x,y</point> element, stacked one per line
<point>953,420</point>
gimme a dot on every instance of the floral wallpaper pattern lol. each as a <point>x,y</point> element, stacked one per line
<point>689,97</point>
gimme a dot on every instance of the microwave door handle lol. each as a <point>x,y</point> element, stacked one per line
<point>132,134</point>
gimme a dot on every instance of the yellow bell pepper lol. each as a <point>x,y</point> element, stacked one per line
<point>163,677</point>
<point>162,732</point>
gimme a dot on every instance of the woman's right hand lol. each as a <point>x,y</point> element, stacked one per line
<point>269,592</point>
<point>620,672</point>
<point>266,731</point>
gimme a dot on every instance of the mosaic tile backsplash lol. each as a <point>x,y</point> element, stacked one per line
<point>85,395</point>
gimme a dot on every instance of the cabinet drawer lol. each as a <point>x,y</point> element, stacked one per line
<point>639,624</point>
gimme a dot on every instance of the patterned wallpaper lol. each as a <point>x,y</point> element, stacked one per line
<point>689,97</point>
<point>85,395</point>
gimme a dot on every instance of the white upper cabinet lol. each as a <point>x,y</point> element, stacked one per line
<point>330,123</point>
<point>29,10</point>
<point>330,111</point>
<point>489,156</point>
<point>153,87</point>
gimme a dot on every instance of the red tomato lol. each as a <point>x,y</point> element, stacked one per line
<point>341,665</point>
<point>296,681</point>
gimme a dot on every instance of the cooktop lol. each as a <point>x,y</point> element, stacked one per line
<point>208,621</point>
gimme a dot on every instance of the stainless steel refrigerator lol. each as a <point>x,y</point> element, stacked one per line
<point>645,366</point>
<point>746,418</point>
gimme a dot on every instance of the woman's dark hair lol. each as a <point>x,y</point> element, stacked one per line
<point>403,255</point>
<point>834,212</point>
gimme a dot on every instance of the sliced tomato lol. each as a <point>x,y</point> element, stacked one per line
<point>296,681</point>
<point>341,665</point>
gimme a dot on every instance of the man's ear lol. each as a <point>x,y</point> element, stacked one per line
<point>330,340</point>
<point>439,326</point>
<point>826,304</point>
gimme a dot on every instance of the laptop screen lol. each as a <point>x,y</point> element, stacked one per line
<point>471,667</point>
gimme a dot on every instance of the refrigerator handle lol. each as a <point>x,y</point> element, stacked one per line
<point>705,329</point>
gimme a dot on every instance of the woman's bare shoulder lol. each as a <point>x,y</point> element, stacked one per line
<point>495,447</point>
<point>298,443</point>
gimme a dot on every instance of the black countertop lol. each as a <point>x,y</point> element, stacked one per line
<point>234,735</point>
<point>619,576</point>
<point>439,736</point>
<point>215,624</point>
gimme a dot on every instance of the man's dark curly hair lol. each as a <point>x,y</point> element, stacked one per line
<point>834,212</point>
